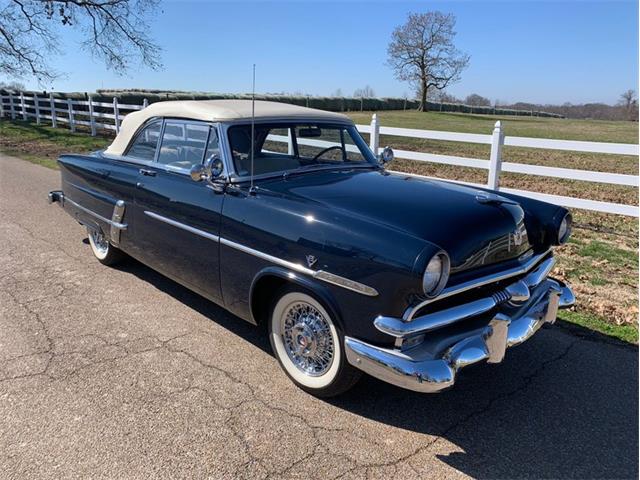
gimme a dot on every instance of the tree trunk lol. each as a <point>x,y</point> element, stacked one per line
<point>423,96</point>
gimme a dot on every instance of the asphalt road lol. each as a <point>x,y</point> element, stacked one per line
<point>122,373</point>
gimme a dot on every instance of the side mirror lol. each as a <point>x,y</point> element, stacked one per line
<point>211,170</point>
<point>386,156</point>
<point>198,173</point>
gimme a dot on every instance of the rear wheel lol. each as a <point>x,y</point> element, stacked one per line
<point>309,345</point>
<point>106,253</point>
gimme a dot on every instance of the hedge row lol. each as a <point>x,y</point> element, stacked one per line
<point>333,104</point>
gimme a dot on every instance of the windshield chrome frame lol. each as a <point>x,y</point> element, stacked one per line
<point>233,176</point>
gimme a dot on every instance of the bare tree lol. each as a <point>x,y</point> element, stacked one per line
<point>422,52</point>
<point>337,93</point>
<point>366,92</point>
<point>477,100</point>
<point>629,102</point>
<point>114,31</point>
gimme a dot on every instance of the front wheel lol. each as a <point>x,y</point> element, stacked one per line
<point>106,253</point>
<point>309,345</point>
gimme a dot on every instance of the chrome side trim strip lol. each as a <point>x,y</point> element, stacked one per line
<point>296,267</point>
<point>118,225</point>
<point>477,282</point>
<point>346,283</point>
<point>182,226</point>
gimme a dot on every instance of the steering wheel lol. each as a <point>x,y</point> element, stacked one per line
<point>328,149</point>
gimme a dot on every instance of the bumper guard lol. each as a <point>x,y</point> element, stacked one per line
<point>430,367</point>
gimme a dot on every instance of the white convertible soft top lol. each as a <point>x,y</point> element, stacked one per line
<point>215,111</point>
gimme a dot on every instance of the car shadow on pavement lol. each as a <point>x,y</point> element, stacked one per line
<point>564,404</point>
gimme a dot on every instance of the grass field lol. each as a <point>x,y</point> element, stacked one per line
<point>600,262</point>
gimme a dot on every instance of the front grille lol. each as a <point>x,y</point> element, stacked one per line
<point>501,297</point>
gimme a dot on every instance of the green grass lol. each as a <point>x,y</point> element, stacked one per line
<point>43,144</point>
<point>563,129</point>
<point>601,250</point>
<point>626,333</point>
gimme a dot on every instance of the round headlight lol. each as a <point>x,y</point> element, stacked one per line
<point>436,274</point>
<point>564,231</point>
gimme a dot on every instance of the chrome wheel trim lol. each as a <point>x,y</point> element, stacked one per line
<point>276,333</point>
<point>307,338</point>
<point>99,243</point>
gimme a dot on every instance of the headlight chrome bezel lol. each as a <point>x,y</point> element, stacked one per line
<point>438,286</point>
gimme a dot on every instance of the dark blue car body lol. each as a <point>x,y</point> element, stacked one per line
<point>358,238</point>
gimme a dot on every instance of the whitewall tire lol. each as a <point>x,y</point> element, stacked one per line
<point>106,253</point>
<point>308,344</point>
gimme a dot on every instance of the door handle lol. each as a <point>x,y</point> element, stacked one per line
<point>148,173</point>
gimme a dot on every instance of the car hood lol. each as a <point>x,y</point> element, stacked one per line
<point>445,214</point>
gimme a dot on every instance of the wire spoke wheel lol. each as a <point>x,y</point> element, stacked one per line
<point>99,242</point>
<point>106,253</point>
<point>307,339</point>
<point>308,343</point>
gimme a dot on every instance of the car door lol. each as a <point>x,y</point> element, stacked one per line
<point>177,218</point>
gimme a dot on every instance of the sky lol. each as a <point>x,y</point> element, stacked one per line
<point>533,51</point>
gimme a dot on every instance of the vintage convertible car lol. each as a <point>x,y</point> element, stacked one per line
<point>285,217</point>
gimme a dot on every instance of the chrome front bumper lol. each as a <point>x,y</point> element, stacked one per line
<point>448,346</point>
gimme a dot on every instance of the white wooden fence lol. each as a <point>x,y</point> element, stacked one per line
<point>72,112</point>
<point>495,164</point>
<point>93,114</point>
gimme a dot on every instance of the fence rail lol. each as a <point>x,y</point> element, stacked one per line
<point>495,164</point>
<point>92,114</point>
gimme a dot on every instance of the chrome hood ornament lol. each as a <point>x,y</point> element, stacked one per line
<point>487,197</point>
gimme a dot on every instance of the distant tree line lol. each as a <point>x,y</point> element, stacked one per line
<point>625,109</point>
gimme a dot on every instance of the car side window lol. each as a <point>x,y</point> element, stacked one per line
<point>183,144</point>
<point>213,147</point>
<point>145,143</point>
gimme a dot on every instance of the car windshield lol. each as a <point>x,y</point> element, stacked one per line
<point>293,146</point>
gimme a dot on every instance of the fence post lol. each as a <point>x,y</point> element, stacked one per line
<point>495,160</point>
<point>52,104</point>
<point>11,106</point>
<point>116,115</point>
<point>72,125</point>
<point>23,104</point>
<point>145,103</point>
<point>374,139</point>
<point>92,119</point>
<point>36,103</point>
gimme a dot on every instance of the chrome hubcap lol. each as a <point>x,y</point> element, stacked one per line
<point>307,339</point>
<point>100,242</point>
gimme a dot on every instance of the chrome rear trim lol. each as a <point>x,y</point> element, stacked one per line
<point>296,267</point>
<point>475,283</point>
<point>116,219</point>
<point>118,225</point>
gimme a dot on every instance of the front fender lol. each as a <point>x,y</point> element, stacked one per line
<point>317,288</point>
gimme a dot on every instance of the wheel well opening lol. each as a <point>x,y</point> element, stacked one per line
<point>263,294</point>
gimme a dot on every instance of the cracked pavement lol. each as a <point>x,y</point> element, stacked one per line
<point>122,373</point>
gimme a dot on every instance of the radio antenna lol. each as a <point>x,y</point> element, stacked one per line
<point>253,126</point>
